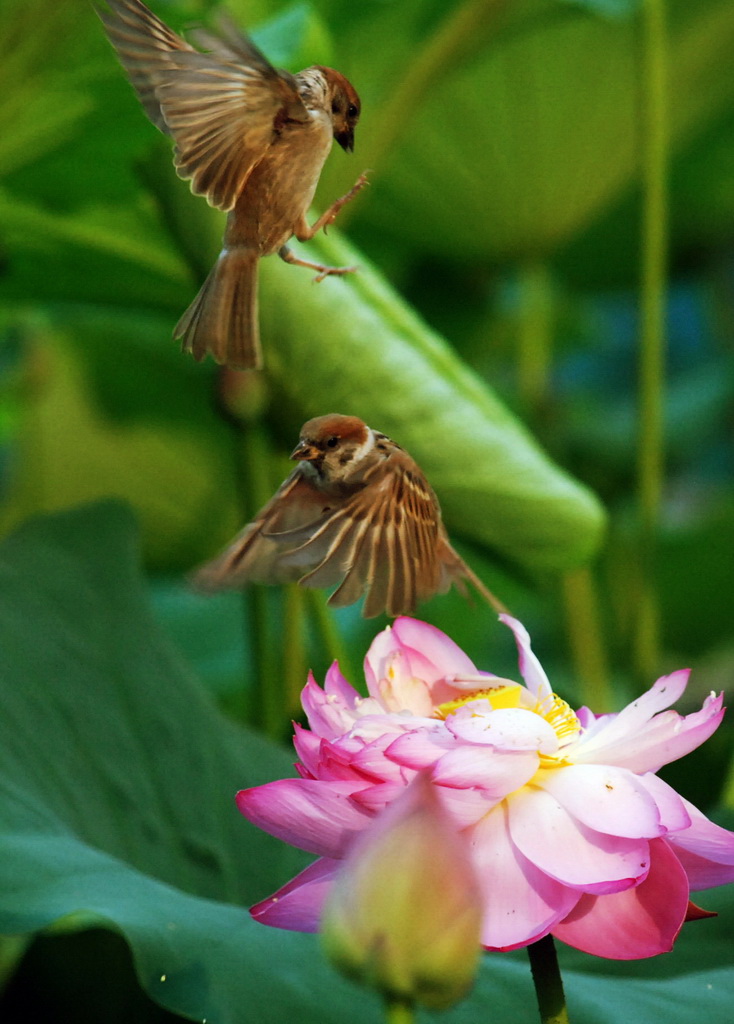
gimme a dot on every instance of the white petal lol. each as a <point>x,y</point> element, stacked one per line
<point>607,799</point>
<point>505,729</point>
<point>568,851</point>
<point>520,902</point>
<point>674,816</point>
<point>615,734</point>
<point>496,772</point>
<point>530,668</point>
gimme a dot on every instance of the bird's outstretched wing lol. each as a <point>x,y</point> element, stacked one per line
<point>256,553</point>
<point>220,108</point>
<point>380,541</point>
<point>384,540</point>
<point>145,47</point>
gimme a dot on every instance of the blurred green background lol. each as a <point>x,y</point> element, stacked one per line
<point>531,191</point>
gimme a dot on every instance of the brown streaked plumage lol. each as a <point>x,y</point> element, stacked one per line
<point>356,511</point>
<point>253,141</point>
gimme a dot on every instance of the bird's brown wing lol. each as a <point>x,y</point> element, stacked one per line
<point>220,108</point>
<point>455,570</point>
<point>385,539</point>
<point>233,46</point>
<point>256,555</point>
<point>382,540</point>
<point>222,118</point>
<point>145,47</point>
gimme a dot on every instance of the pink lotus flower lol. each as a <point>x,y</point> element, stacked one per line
<point>570,829</point>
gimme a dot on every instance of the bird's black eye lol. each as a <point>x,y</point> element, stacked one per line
<point>333,442</point>
<point>352,111</point>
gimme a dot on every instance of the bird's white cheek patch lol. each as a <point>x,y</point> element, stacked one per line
<point>369,444</point>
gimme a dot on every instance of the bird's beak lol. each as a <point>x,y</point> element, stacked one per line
<point>305,452</point>
<point>345,138</point>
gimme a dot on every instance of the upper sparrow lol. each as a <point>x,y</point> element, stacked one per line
<point>253,140</point>
<point>356,510</point>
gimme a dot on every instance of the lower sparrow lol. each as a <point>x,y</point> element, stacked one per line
<point>357,511</point>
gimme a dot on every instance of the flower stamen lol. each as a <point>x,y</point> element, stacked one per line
<point>562,719</point>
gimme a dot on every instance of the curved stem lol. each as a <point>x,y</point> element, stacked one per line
<point>727,796</point>
<point>295,659</point>
<point>12,948</point>
<point>534,361</point>
<point>653,283</point>
<point>548,982</point>
<point>336,649</point>
<point>399,1011</point>
<point>267,704</point>
<point>534,337</point>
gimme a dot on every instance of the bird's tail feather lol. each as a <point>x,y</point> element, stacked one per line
<point>484,591</point>
<point>455,570</point>
<point>223,318</point>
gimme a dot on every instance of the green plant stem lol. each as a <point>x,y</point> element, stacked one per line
<point>534,361</point>
<point>268,703</point>
<point>460,32</point>
<point>586,639</point>
<point>534,337</point>
<point>267,707</point>
<point>650,467</point>
<point>336,649</point>
<point>294,648</point>
<point>12,949</point>
<point>727,796</point>
<point>399,1011</point>
<point>548,982</point>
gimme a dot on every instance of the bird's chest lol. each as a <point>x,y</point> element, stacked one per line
<point>281,186</point>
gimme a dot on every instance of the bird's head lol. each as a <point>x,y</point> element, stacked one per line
<point>333,445</point>
<point>345,107</point>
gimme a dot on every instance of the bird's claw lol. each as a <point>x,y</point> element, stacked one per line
<point>347,198</point>
<point>329,271</point>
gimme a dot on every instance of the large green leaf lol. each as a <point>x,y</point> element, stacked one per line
<point>116,785</point>
<point>139,735</point>
<point>354,341</point>
<point>117,776</point>
<point>42,95</point>
<point>177,474</point>
<point>514,149</point>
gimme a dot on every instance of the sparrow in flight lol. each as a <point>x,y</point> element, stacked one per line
<point>252,140</point>
<point>356,511</point>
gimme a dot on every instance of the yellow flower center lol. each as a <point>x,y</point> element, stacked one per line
<point>560,716</point>
<point>556,712</point>
<point>501,696</point>
<point>562,719</point>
